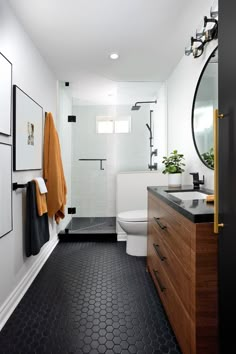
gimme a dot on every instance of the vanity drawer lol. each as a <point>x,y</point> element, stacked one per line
<point>166,259</point>
<point>154,214</point>
<point>172,229</point>
<point>177,314</point>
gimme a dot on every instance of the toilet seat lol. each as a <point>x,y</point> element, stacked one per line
<point>133,216</point>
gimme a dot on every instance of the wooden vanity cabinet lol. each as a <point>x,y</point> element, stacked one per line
<point>182,260</point>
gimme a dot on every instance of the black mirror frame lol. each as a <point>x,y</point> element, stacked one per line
<point>193,105</point>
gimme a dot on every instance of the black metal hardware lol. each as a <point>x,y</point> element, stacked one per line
<point>154,152</point>
<point>213,32</point>
<point>203,37</point>
<point>136,106</point>
<point>72,119</point>
<point>151,166</point>
<point>71,210</point>
<point>162,288</point>
<point>101,160</point>
<point>159,223</point>
<point>196,180</point>
<point>67,83</point>
<point>156,247</point>
<point>101,167</point>
<point>16,186</point>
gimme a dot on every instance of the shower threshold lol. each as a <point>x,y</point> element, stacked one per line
<point>90,228</point>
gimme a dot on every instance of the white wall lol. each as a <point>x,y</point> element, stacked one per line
<point>181,86</point>
<point>31,73</point>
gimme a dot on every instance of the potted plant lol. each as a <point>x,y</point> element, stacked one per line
<point>174,167</point>
<point>208,157</point>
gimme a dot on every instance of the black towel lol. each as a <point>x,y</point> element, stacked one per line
<point>37,230</point>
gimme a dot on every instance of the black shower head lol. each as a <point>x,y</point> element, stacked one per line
<point>136,107</point>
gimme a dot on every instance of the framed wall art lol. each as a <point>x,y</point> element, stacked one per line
<point>5,95</point>
<point>28,132</point>
<point>6,189</point>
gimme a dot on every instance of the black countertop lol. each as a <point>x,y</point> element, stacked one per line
<point>197,211</point>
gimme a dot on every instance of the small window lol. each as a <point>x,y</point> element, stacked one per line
<point>117,125</point>
<point>104,125</point>
<point>122,125</point>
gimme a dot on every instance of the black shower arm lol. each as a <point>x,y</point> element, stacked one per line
<point>136,103</point>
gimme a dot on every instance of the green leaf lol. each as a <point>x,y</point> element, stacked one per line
<point>173,163</point>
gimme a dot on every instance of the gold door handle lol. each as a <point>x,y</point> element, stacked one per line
<point>217,116</point>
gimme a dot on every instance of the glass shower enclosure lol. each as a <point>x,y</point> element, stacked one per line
<point>103,141</point>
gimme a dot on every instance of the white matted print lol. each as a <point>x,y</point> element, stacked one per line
<point>28,131</point>
<point>5,95</point>
<point>6,189</point>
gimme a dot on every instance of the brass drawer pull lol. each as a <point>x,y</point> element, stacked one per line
<point>162,288</point>
<point>159,223</point>
<point>156,247</point>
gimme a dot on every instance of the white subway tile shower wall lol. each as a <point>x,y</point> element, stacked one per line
<point>93,190</point>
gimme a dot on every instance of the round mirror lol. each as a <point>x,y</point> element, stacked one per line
<point>204,103</point>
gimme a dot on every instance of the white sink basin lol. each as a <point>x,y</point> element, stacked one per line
<point>189,195</point>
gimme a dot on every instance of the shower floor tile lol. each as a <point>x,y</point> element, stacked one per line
<point>89,225</point>
<point>90,297</point>
<point>90,229</point>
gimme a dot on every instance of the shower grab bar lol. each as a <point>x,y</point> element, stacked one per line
<point>101,167</point>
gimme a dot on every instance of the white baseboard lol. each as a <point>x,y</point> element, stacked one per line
<point>121,236</point>
<point>14,298</point>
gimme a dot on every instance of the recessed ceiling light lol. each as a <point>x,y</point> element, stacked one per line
<point>114,56</point>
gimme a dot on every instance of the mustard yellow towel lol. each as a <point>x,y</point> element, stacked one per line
<point>53,171</point>
<point>40,200</point>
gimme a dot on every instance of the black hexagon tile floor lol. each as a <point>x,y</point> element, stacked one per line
<point>90,298</point>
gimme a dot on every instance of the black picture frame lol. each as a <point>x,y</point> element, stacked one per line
<point>6,225</point>
<point>5,95</point>
<point>28,132</point>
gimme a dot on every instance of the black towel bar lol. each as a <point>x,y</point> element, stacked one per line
<point>16,185</point>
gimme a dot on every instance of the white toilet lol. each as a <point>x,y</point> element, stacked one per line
<point>134,223</point>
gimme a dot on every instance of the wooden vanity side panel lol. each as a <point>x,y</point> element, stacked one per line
<point>204,312</point>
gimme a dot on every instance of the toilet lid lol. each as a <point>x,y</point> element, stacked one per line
<point>133,215</point>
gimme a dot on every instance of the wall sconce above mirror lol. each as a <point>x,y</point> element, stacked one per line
<point>207,31</point>
<point>204,103</point>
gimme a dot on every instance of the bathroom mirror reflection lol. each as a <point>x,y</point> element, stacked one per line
<point>204,103</point>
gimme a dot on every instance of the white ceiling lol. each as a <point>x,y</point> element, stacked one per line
<point>77,36</point>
